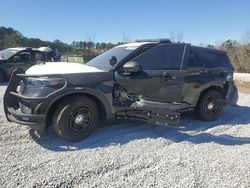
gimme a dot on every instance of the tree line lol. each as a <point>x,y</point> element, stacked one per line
<point>10,37</point>
<point>239,52</point>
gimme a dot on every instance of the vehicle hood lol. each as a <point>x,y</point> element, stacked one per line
<point>60,68</point>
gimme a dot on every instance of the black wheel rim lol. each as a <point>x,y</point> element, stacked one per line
<point>80,119</point>
<point>212,106</point>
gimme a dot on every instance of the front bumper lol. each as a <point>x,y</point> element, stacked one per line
<point>12,106</point>
<point>36,122</point>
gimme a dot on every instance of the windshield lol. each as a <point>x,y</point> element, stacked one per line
<point>7,53</point>
<point>102,61</point>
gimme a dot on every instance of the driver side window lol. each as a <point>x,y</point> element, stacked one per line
<point>163,57</point>
<point>22,57</point>
<point>154,59</point>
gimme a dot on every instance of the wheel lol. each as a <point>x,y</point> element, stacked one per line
<point>209,106</point>
<point>2,76</point>
<point>76,118</point>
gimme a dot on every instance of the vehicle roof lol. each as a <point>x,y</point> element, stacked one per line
<point>139,43</point>
<point>44,49</point>
<point>41,49</point>
<point>18,48</point>
<point>134,44</point>
<point>142,42</point>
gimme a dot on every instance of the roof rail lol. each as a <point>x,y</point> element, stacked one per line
<point>154,40</point>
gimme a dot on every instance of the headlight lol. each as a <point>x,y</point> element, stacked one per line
<point>42,86</point>
<point>56,83</point>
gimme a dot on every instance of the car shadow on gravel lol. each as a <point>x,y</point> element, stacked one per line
<point>191,130</point>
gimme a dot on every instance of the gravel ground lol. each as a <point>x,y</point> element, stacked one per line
<point>196,154</point>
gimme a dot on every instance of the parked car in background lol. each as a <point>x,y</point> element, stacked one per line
<point>22,58</point>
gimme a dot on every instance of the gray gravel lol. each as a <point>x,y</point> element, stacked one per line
<point>197,154</point>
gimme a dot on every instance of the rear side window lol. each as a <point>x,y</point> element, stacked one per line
<point>38,56</point>
<point>195,59</point>
<point>175,56</point>
<point>164,57</point>
<point>216,60</point>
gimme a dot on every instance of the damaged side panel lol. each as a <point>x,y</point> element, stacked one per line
<point>130,106</point>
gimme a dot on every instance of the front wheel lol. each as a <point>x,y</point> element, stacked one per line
<point>76,118</point>
<point>209,106</point>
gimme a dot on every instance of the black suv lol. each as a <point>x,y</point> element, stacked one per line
<point>21,58</point>
<point>152,80</point>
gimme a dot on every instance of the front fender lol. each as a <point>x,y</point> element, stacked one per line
<point>104,98</point>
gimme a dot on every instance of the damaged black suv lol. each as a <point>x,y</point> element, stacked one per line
<point>151,80</point>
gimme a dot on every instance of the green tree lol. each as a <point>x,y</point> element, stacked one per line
<point>230,44</point>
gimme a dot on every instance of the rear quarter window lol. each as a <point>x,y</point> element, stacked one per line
<point>214,60</point>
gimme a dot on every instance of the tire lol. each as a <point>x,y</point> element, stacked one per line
<point>75,118</point>
<point>209,107</point>
<point>2,76</point>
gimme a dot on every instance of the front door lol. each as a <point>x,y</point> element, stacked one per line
<point>21,61</point>
<point>161,78</point>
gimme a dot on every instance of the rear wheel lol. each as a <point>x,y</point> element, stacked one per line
<point>76,118</point>
<point>209,106</point>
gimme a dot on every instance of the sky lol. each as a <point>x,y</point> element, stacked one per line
<point>199,21</point>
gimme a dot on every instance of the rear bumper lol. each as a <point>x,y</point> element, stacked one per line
<point>232,95</point>
<point>13,110</point>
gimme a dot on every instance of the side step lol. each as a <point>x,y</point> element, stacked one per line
<point>169,118</point>
<point>152,112</point>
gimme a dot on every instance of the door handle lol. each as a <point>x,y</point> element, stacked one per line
<point>167,77</point>
<point>204,71</point>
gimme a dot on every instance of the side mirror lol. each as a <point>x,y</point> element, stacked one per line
<point>113,60</point>
<point>132,67</point>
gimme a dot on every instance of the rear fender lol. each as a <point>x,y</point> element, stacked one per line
<point>213,85</point>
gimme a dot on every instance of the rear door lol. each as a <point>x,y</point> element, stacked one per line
<point>161,79</point>
<point>203,67</point>
<point>218,63</point>
<point>197,75</point>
